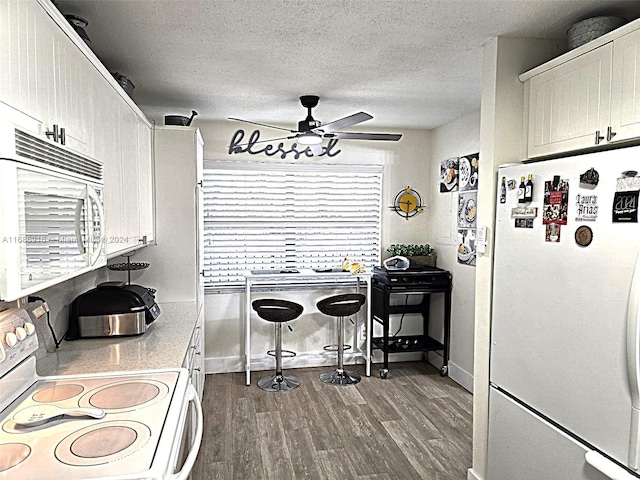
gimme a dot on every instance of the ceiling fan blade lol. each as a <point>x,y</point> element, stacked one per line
<point>344,122</point>
<point>261,124</point>
<point>316,149</point>
<point>263,141</point>
<point>391,137</point>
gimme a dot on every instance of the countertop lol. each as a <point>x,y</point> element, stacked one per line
<point>163,345</point>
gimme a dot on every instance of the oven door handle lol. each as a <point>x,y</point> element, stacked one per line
<point>185,471</point>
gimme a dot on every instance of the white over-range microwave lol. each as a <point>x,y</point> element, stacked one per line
<point>51,213</point>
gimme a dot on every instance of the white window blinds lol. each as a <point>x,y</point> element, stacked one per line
<point>302,216</point>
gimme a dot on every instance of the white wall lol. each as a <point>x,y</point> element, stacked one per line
<point>405,163</point>
<point>501,135</point>
<point>59,299</point>
<point>457,138</point>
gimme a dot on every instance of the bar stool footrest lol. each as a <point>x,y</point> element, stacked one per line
<point>334,347</point>
<point>285,353</point>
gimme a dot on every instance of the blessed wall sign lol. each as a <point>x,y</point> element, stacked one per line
<point>238,144</point>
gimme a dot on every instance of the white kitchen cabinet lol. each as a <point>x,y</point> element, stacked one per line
<point>625,89</point>
<point>569,104</point>
<point>49,74</point>
<point>128,184</point>
<point>587,98</point>
<point>44,75</point>
<point>176,260</point>
<point>145,181</point>
<point>194,359</point>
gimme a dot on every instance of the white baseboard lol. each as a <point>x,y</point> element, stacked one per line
<point>455,372</point>
<point>471,475</point>
<point>461,377</point>
<point>303,360</point>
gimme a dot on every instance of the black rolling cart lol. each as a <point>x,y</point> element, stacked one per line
<point>423,280</point>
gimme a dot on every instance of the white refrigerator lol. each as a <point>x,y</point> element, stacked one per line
<point>564,396</point>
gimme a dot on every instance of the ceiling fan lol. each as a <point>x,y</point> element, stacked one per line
<point>310,132</point>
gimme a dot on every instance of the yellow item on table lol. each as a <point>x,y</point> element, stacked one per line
<point>353,267</point>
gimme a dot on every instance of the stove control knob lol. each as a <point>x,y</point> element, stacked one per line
<point>21,333</point>
<point>29,328</point>
<point>10,340</point>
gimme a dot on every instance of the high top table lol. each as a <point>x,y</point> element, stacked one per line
<point>304,277</point>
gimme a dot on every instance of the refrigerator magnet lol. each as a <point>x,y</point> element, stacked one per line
<point>586,208</point>
<point>628,181</point>
<point>590,178</point>
<point>524,223</point>
<point>552,232</point>
<point>556,201</point>
<point>625,207</point>
<point>584,236</point>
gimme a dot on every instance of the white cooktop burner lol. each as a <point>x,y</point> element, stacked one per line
<point>135,405</point>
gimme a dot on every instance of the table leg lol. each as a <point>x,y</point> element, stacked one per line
<point>369,329</point>
<point>447,333</point>
<point>247,330</point>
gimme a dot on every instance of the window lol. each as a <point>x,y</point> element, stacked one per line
<point>303,216</point>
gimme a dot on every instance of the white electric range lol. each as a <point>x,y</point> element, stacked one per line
<point>146,428</point>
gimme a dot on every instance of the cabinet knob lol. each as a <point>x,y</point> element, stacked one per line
<point>610,134</point>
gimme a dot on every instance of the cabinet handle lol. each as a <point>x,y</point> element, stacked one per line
<point>54,133</point>
<point>599,138</point>
<point>143,240</point>
<point>610,134</point>
<point>63,137</point>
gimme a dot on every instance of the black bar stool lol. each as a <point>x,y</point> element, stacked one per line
<point>278,312</point>
<point>341,306</point>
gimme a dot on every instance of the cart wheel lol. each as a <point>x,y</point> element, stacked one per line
<point>384,372</point>
<point>444,370</point>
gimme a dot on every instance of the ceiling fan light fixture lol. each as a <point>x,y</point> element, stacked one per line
<point>310,139</point>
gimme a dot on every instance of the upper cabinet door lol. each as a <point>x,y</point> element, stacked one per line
<point>625,84</point>
<point>27,54</point>
<point>145,182</point>
<point>74,97</point>
<point>44,75</point>
<point>569,104</point>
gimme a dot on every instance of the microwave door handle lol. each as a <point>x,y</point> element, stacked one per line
<point>81,247</point>
<point>93,196</point>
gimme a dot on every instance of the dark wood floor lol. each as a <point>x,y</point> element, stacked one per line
<point>415,424</point>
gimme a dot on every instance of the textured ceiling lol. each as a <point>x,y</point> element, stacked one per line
<point>409,63</point>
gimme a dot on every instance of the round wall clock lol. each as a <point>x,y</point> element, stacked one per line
<point>407,203</point>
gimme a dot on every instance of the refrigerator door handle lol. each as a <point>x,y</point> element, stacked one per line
<point>633,365</point>
<point>607,467</point>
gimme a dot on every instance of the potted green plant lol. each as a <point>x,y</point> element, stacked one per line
<point>419,253</point>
